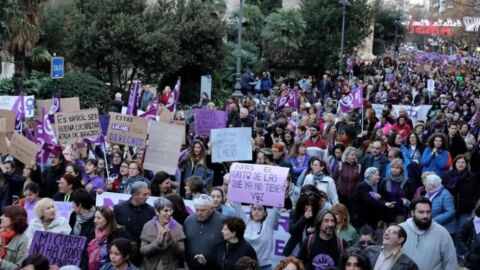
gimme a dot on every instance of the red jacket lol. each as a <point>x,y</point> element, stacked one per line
<point>318,143</point>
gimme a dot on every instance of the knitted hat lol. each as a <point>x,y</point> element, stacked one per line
<point>370,171</point>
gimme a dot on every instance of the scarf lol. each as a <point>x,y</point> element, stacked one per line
<point>373,185</point>
<point>81,219</point>
<point>456,178</point>
<point>6,237</point>
<point>94,249</point>
<point>433,193</point>
<point>397,179</point>
<point>476,224</point>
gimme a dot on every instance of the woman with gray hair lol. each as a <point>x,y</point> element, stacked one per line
<point>443,208</point>
<point>47,220</point>
<point>162,239</point>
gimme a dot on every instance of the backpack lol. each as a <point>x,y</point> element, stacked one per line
<point>310,243</point>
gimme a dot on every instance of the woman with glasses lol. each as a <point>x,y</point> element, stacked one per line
<point>122,176</point>
<point>135,174</point>
<point>106,230</point>
<point>162,239</point>
<point>317,175</point>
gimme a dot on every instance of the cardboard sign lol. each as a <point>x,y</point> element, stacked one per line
<point>231,144</point>
<point>66,104</point>
<point>164,147</point>
<point>257,184</point>
<point>127,130</point>
<point>77,125</point>
<point>23,149</point>
<point>59,249</point>
<point>427,67</point>
<point>10,116</point>
<point>3,133</point>
<point>7,103</point>
<point>165,114</point>
<point>206,120</point>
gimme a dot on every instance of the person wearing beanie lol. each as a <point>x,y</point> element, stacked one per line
<point>369,204</point>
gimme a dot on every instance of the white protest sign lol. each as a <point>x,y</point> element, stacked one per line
<point>7,102</point>
<point>231,144</point>
<point>414,113</point>
<point>206,85</point>
<point>257,184</point>
<point>431,86</point>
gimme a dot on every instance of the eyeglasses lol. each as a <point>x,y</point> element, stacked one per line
<point>365,243</point>
<point>389,231</point>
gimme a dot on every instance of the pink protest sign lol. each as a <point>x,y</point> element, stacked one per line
<point>257,184</point>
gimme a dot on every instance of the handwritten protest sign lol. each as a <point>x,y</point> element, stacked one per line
<point>280,232</point>
<point>206,120</point>
<point>59,249</point>
<point>431,86</point>
<point>66,104</point>
<point>165,114</point>
<point>164,148</point>
<point>23,149</point>
<point>257,184</point>
<point>3,143</point>
<point>127,130</point>
<point>7,103</point>
<point>77,125</point>
<point>231,144</point>
<point>10,120</point>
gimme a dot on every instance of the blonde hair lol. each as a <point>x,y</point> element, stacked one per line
<point>347,152</point>
<point>41,205</point>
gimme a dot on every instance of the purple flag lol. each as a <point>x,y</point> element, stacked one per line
<point>352,101</point>
<point>173,100</point>
<point>133,99</point>
<point>19,110</point>
<point>290,99</point>
<point>151,113</point>
<point>45,136</point>
<point>55,107</point>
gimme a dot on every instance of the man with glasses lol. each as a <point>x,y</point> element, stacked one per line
<point>203,232</point>
<point>389,255</point>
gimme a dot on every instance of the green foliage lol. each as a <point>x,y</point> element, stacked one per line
<point>282,38</point>
<point>252,25</point>
<point>266,6</point>
<point>387,21</point>
<point>32,84</point>
<point>323,20</point>
<point>92,92</point>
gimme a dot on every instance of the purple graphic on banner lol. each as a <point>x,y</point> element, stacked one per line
<point>352,101</point>
<point>206,120</point>
<point>133,99</point>
<point>59,249</point>
<point>289,99</point>
<point>257,184</point>
<point>19,110</point>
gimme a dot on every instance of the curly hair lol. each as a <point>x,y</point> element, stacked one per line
<point>290,260</point>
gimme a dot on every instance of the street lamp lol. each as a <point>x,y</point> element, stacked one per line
<point>237,86</point>
<point>340,66</point>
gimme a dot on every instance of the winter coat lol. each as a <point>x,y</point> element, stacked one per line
<point>346,177</point>
<point>470,254</point>
<point>435,163</point>
<point>465,194</point>
<point>443,210</point>
<point>15,252</point>
<point>58,225</point>
<point>403,262</point>
<point>163,254</point>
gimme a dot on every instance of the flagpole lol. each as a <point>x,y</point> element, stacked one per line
<point>105,158</point>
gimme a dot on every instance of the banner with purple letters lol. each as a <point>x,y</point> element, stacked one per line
<point>59,249</point>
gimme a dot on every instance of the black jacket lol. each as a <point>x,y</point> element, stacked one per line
<point>133,217</point>
<point>456,146</point>
<point>88,230</point>
<point>367,210</point>
<point>471,256</point>
<point>296,226</point>
<point>465,194</point>
<point>367,162</point>
<point>231,253</point>
<point>403,262</point>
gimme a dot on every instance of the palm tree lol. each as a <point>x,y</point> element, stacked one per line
<point>23,29</point>
<point>282,35</point>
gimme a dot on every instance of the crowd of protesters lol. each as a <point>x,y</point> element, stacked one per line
<point>365,190</point>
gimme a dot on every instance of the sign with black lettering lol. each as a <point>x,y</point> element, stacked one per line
<point>127,130</point>
<point>231,144</point>
<point>257,184</point>
<point>77,125</point>
<point>59,249</point>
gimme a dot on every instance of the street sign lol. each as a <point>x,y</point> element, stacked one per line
<point>57,67</point>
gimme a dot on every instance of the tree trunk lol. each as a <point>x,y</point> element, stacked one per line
<point>17,79</point>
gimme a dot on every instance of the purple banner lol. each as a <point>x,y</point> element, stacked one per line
<point>206,120</point>
<point>257,184</point>
<point>133,99</point>
<point>59,249</point>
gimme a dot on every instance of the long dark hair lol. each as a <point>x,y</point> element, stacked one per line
<point>322,163</point>
<point>179,210</point>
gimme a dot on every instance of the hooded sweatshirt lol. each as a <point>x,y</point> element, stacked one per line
<point>432,249</point>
